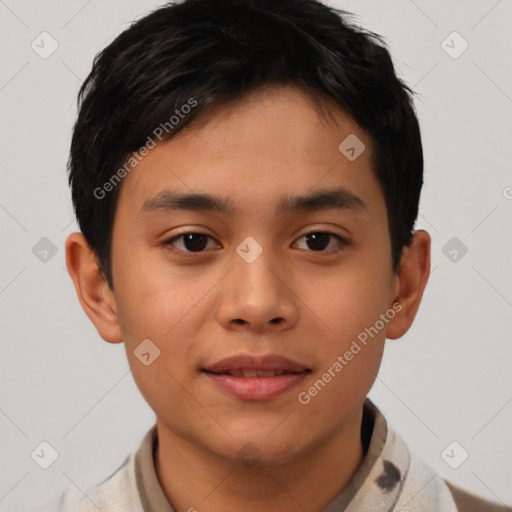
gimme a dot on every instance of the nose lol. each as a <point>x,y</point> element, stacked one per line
<point>256,296</point>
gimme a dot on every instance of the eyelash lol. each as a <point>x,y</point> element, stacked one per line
<point>168,243</point>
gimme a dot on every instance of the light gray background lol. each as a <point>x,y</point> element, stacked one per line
<point>449,379</point>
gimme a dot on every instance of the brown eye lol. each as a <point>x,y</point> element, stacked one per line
<point>318,241</point>
<point>190,242</point>
<point>194,241</point>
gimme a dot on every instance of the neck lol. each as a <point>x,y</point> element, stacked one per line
<point>193,477</point>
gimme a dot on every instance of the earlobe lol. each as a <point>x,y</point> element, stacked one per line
<point>92,289</point>
<point>412,279</point>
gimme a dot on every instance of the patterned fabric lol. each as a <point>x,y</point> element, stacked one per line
<point>390,478</point>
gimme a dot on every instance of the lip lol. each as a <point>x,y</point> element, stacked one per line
<point>253,362</point>
<point>256,388</point>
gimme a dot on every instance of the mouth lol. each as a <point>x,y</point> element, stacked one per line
<point>249,377</point>
<point>251,373</point>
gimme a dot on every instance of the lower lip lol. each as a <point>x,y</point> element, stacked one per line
<point>257,388</point>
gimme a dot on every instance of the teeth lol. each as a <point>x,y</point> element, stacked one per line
<point>236,373</point>
<point>248,373</point>
<point>270,373</point>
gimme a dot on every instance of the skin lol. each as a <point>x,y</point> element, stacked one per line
<point>212,304</point>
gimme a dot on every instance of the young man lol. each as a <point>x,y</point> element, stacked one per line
<point>278,135</point>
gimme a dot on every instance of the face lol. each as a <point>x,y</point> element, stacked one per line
<point>273,284</point>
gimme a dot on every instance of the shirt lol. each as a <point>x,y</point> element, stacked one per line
<point>389,478</point>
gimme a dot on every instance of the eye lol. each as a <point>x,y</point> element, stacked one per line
<point>191,242</point>
<point>318,240</point>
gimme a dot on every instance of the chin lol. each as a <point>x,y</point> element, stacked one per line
<point>264,447</point>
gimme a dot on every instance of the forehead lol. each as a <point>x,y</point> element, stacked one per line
<point>269,144</point>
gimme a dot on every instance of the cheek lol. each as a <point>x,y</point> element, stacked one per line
<point>163,304</point>
<point>149,295</point>
<point>350,348</point>
<point>154,304</point>
<point>350,304</point>
<point>352,299</point>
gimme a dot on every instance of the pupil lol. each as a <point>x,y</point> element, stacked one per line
<point>319,240</point>
<point>193,241</point>
<point>315,241</point>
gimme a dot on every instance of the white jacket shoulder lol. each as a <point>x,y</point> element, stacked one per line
<point>116,493</point>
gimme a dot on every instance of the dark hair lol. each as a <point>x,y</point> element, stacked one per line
<point>204,52</point>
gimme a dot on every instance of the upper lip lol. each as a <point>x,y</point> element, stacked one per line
<point>253,362</point>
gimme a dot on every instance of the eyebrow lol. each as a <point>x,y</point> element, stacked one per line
<point>338,198</point>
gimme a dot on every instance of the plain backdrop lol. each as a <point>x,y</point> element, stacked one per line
<point>447,380</point>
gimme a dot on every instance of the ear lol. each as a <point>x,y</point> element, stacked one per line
<point>412,277</point>
<point>92,288</point>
